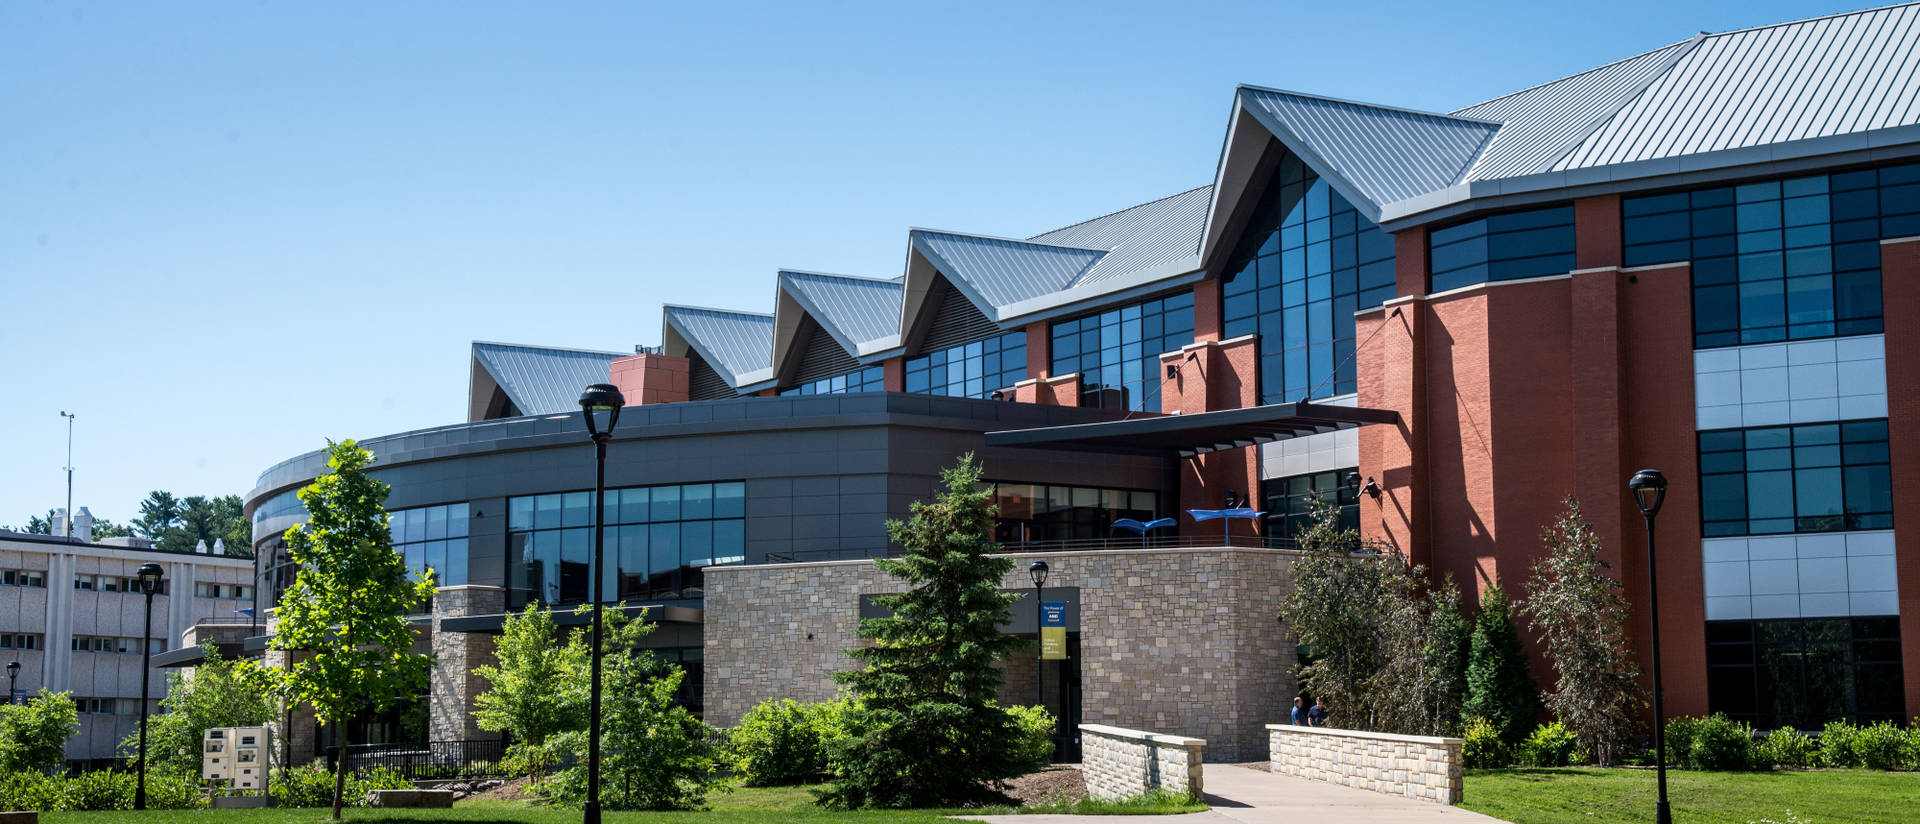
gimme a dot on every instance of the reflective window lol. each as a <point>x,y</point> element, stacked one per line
<point>433,538</point>
<point>1117,352</point>
<point>859,380</point>
<point>1780,259</point>
<point>970,370</point>
<point>657,540</point>
<point>1306,263</point>
<point>1824,477</point>
<point>1805,672</point>
<point>285,503</point>
<point>24,577</point>
<point>1289,502</point>
<point>21,640</point>
<point>1043,512</point>
<point>1502,247</point>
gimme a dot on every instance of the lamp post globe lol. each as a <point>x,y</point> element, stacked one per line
<point>149,576</point>
<point>13,674</point>
<point>600,406</point>
<point>1649,489</point>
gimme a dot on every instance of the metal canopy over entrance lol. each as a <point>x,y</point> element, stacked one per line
<point>1197,434</point>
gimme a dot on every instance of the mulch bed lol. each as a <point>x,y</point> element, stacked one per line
<point>514,790</point>
<point>1058,784</point>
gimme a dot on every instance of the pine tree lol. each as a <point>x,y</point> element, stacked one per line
<point>1581,616</point>
<point>929,731</point>
<point>1500,687</point>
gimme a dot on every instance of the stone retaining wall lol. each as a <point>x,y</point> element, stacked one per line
<point>1120,763</point>
<point>1411,766</point>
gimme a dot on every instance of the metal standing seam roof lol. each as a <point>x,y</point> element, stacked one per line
<point>1157,233</point>
<point>1382,154</point>
<point>854,311</point>
<point>1822,77</point>
<point>543,380</point>
<point>1003,271</point>
<point>738,345</point>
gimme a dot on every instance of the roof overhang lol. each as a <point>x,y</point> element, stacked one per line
<point>194,656</point>
<point>655,614</point>
<point>1197,434</point>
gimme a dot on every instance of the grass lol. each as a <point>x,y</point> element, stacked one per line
<point>1618,796</point>
<point>1156,802</point>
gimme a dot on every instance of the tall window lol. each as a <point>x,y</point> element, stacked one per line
<point>1117,352</point>
<point>1289,502</point>
<point>1306,263</point>
<point>1780,259</point>
<point>1042,512</point>
<point>859,380</point>
<point>1824,477</point>
<point>970,370</point>
<point>433,538</point>
<point>658,538</point>
<point>1502,247</point>
<point>1804,672</point>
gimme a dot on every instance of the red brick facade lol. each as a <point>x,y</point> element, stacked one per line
<point>1900,295</point>
<point>648,378</point>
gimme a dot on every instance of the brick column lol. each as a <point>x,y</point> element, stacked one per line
<point>893,374</point>
<point>1207,324</point>
<point>454,686</point>
<point>1212,375</point>
<point>1410,262</point>
<point>1039,349</point>
<point>1900,295</point>
<point>1596,233</point>
<point>648,378</point>
<point>1392,374</point>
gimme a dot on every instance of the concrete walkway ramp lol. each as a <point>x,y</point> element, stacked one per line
<point>1240,795</point>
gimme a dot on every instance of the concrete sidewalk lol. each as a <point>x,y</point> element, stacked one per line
<point>1246,796</point>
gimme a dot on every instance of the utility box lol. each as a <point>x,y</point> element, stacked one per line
<point>237,757</point>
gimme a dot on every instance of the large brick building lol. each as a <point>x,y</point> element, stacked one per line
<point>1696,259</point>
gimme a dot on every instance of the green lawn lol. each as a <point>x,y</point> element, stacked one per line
<point>741,806</point>
<point>1595,796</point>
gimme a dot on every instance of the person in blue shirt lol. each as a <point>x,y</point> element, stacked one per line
<point>1317,717</point>
<point>1299,712</point>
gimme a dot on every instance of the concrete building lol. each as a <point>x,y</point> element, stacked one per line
<point>1700,258</point>
<point>71,612</point>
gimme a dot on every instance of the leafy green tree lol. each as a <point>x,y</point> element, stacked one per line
<point>1581,615</point>
<point>654,755</point>
<point>204,519</point>
<point>104,528</point>
<point>345,615</point>
<point>1500,687</point>
<point>221,692</point>
<point>33,735</point>
<point>37,525</point>
<point>158,513</point>
<point>928,731</point>
<point>539,688</point>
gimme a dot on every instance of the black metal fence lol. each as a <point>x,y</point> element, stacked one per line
<point>430,760</point>
<point>1068,545</point>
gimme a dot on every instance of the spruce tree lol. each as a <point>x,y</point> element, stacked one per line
<point>928,731</point>
<point>1500,687</point>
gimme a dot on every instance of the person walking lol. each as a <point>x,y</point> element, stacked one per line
<point>1299,711</point>
<point>1317,717</point>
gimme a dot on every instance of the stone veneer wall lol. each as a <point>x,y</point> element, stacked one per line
<point>1411,766</point>
<point>1180,640</point>
<point>1120,764</point>
<point>454,685</point>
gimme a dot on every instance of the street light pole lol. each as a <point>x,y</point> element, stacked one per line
<point>1649,490</point>
<point>598,398</point>
<point>1038,571</point>
<point>149,575</point>
<point>68,527</point>
<point>13,675</point>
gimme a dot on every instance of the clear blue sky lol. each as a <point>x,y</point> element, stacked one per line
<point>231,230</point>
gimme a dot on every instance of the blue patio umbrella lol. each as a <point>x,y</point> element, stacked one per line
<point>1141,529</point>
<point>1225,517</point>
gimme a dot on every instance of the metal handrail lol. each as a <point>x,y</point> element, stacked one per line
<point>1065,545</point>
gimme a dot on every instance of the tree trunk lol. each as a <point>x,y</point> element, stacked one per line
<point>340,769</point>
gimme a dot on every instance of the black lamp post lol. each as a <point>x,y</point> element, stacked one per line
<point>1038,570</point>
<point>600,401</point>
<point>13,674</point>
<point>150,574</point>
<point>1649,489</point>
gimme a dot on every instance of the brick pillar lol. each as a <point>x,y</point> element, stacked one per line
<point>1039,349</point>
<point>1599,470</point>
<point>1207,324</point>
<point>1410,262</point>
<point>648,378</point>
<point>893,374</point>
<point>1212,375</point>
<point>1060,391</point>
<point>1392,374</point>
<point>1596,233</point>
<point>454,686</point>
<point>1900,295</point>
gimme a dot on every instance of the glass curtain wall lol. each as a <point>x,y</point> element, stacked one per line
<point>1306,263</point>
<point>432,538</point>
<point>1511,246</point>
<point>658,538</point>
<point>859,380</point>
<point>1117,352</point>
<point>1804,672</point>
<point>1824,477</point>
<point>970,370</point>
<point>1045,512</point>
<point>1289,502</point>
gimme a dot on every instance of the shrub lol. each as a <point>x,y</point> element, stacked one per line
<point>1836,745</point>
<point>1789,747</point>
<point>1484,749</point>
<point>1036,734</point>
<point>100,790</point>
<point>1720,743</point>
<point>779,742</point>
<point>33,735</point>
<point>1679,740</point>
<point>1550,745</point>
<point>1500,685</point>
<point>312,786</point>
<point>1884,746</point>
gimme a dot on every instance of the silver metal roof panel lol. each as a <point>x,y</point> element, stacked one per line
<point>1381,154</point>
<point>738,345</point>
<point>1003,271</point>
<point>543,380</point>
<point>853,310</point>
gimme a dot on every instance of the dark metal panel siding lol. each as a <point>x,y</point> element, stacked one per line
<point>957,321</point>
<point>706,384</point>
<point>823,357</point>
